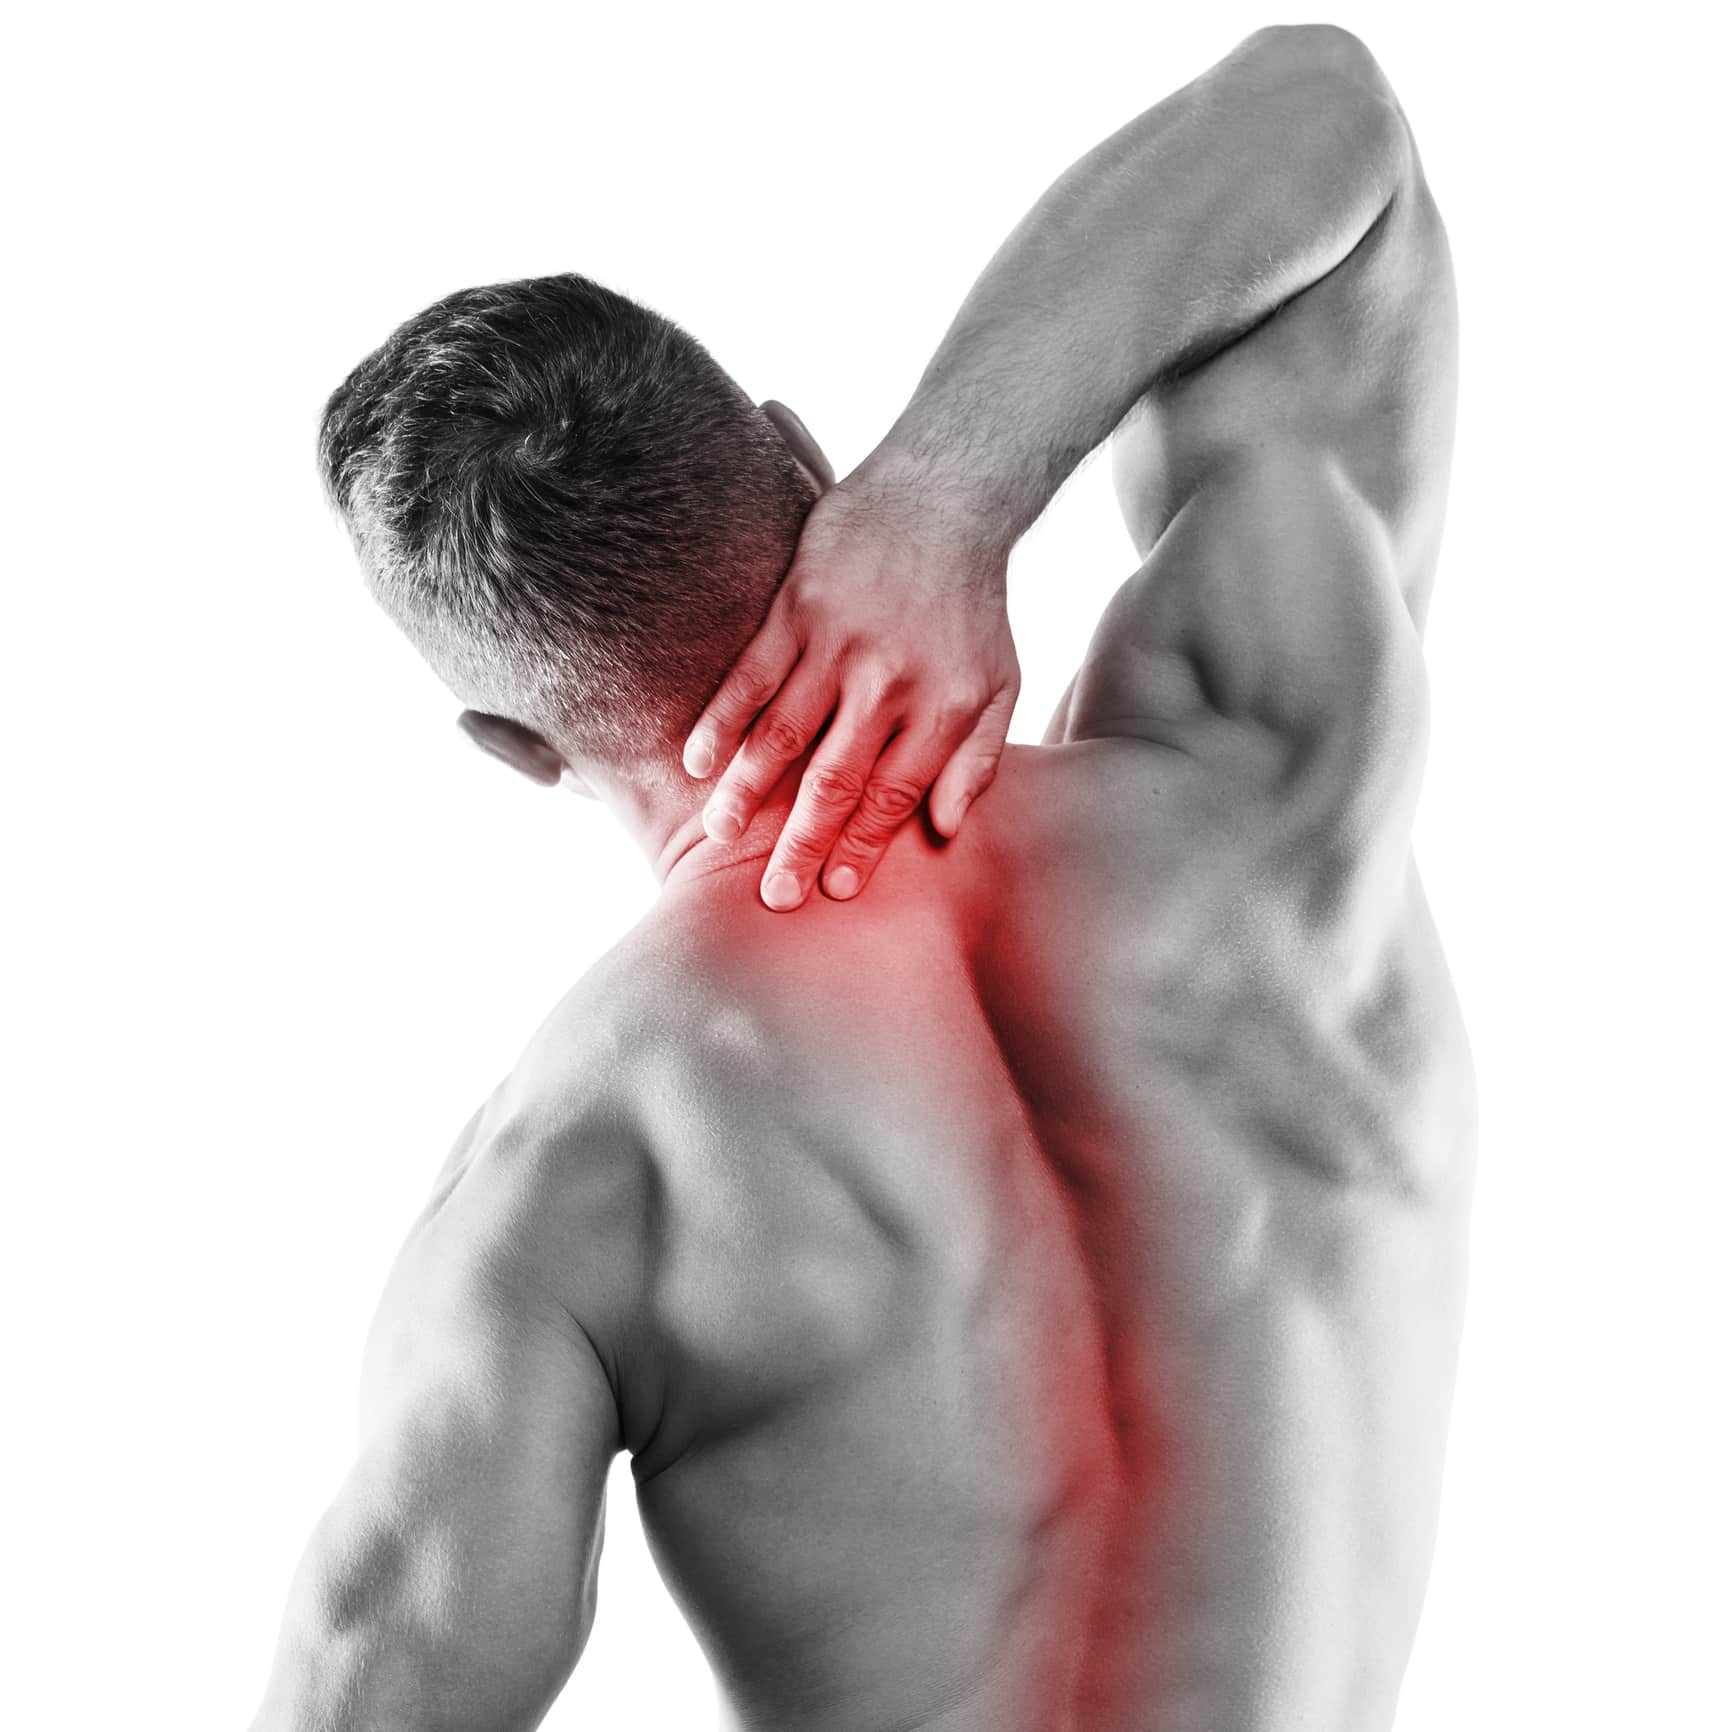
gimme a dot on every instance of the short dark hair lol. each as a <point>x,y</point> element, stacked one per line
<point>576,515</point>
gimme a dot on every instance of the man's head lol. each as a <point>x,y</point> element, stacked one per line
<point>572,511</point>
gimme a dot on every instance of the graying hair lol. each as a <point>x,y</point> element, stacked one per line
<point>569,507</point>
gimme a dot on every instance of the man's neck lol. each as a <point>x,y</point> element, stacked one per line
<point>667,823</point>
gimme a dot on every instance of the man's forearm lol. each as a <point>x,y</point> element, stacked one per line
<point>1175,236</point>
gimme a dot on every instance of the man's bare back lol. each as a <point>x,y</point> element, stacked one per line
<point>1044,1321</point>
<point>1029,1298</point>
<point>1029,1293</point>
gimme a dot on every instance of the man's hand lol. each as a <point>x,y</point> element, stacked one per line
<point>890,627</point>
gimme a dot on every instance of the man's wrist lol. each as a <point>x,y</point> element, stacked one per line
<point>941,498</point>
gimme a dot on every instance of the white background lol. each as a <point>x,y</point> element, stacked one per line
<point>274,930</point>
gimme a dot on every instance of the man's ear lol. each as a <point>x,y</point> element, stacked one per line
<point>512,743</point>
<point>801,443</point>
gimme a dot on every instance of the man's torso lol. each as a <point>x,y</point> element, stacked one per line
<point>1042,1276</point>
<point>1031,1291</point>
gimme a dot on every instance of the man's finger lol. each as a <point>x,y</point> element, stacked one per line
<point>751,683</point>
<point>796,715</point>
<point>894,789</point>
<point>840,775</point>
<point>972,765</point>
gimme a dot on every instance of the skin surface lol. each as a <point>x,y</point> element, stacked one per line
<point>1029,1292</point>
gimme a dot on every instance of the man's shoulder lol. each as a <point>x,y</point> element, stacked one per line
<point>660,994</point>
<point>650,1145</point>
<point>548,1184</point>
<point>572,1138</point>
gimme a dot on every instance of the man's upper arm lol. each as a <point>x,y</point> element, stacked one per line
<point>1266,642</point>
<point>1288,497</point>
<point>452,1582</point>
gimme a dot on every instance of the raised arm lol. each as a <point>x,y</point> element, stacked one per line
<point>1170,241</point>
<point>1162,249</point>
<point>451,1585</point>
<point>1286,481</point>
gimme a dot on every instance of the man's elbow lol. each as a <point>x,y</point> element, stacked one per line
<point>1309,50</point>
<point>1333,80</point>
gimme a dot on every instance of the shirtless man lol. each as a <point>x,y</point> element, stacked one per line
<point>1029,1292</point>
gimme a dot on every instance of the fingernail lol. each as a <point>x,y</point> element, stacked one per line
<point>782,890</point>
<point>700,758</point>
<point>843,882</point>
<point>962,806</point>
<point>721,826</point>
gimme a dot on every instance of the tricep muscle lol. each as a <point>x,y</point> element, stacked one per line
<point>451,1584</point>
<point>1288,498</point>
<point>1266,638</point>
